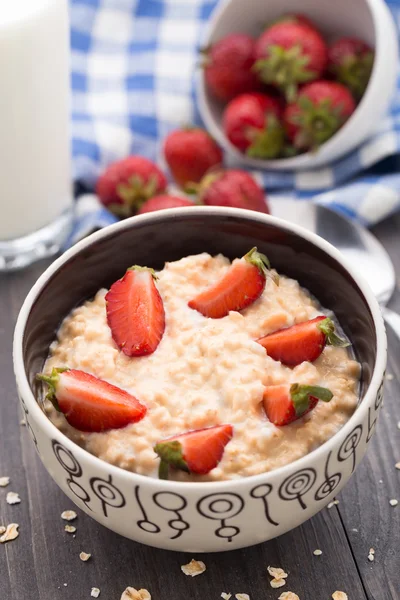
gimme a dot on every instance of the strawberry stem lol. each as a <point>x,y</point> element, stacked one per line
<point>302,394</point>
<point>52,381</point>
<point>171,454</point>
<point>261,262</point>
<point>267,143</point>
<point>139,268</point>
<point>327,326</point>
<point>163,470</point>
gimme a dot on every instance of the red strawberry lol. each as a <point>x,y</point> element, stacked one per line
<point>241,286</point>
<point>295,18</point>
<point>234,188</point>
<point>252,124</point>
<point>228,66</point>
<point>190,153</point>
<point>195,452</point>
<point>127,183</point>
<point>135,312</point>
<point>89,403</point>
<point>351,61</point>
<point>284,404</point>
<point>290,53</point>
<point>161,202</point>
<point>321,108</point>
<point>302,342</point>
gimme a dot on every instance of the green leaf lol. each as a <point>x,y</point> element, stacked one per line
<point>301,396</point>
<point>327,326</point>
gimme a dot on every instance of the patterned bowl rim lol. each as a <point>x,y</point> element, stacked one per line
<point>51,431</point>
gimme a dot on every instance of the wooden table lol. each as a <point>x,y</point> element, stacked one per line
<point>43,563</point>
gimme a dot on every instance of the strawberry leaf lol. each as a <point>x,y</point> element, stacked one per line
<point>170,453</point>
<point>301,396</point>
<point>327,326</point>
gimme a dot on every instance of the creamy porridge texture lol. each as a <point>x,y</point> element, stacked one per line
<point>205,372</point>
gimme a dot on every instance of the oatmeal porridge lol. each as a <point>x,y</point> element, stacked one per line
<point>205,372</point>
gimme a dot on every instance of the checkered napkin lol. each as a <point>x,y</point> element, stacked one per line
<point>133,64</point>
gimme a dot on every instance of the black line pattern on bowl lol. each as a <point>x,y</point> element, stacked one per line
<point>144,524</point>
<point>71,465</point>
<point>107,493</point>
<point>330,482</point>
<point>261,492</point>
<point>297,485</point>
<point>379,396</point>
<point>349,446</point>
<point>27,422</point>
<point>174,503</point>
<point>221,507</point>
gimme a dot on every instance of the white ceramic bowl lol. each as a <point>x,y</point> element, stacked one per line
<point>207,516</point>
<point>369,20</point>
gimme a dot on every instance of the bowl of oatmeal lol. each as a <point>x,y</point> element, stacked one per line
<point>209,398</point>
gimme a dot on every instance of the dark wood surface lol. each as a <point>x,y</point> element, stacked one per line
<point>44,558</point>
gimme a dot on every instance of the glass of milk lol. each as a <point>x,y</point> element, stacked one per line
<point>35,176</point>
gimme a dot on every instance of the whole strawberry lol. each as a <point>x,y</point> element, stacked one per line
<point>234,188</point>
<point>190,153</point>
<point>127,183</point>
<point>321,108</point>
<point>290,53</point>
<point>228,66</point>
<point>350,62</point>
<point>161,202</point>
<point>295,18</point>
<point>252,124</point>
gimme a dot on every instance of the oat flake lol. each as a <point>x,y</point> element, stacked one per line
<point>132,594</point>
<point>10,534</point>
<point>317,552</point>
<point>69,515</point>
<point>393,502</point>
<point>2,529</point>
<point>195,567</point>
<point>13,498</point>
<point>95,592</point>
<point>339,596</point>
<point>242,597</point>
<point>397,465</point>
<point>226,595</point>
<point>389,377</point>
<point>333,503</point>
<point>4,481</point>
<point>69,528</point>
<point>288,596</point>
<point>277,573</point>
<point>277,583</point>
<point>371,551</point>
<point>84,557</point>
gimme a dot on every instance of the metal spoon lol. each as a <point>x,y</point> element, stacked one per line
<point>365,253</point>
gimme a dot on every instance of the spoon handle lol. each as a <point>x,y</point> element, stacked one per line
<point>392,318</point>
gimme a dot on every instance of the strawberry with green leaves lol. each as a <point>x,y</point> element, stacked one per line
<point>303,342</point>
<point>91,404</point>
<point>243,283</point>
<point>195,452</point>
<point>252,124</point>
<point>350,61</point>
<point>234,188</point>
<point>135,312</point>
<point>284,404</point>
<point>319,111</point>
<point>290,53</point>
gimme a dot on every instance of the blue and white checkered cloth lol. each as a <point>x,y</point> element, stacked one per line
<point>133,64</point>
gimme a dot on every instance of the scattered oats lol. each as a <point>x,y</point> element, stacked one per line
<point>131,594</point>
<point>393,502</point>
<point>288,596</point>
<point>13,498</point>
<point>2,529</point>
<point>371,551</point>
<point>398,424</point>
<point>10,534</point>
<point>277,573</point>
<point>389,377</point>
<point>242,597</point>
<point>65,584</point>
<point>317,552</point>
<point>70,529</point>
<point>371,557</point>
<point>339,596</point>
<point>195,567</point>
<point>226,595</point>
<point>397,465</point>
<point>84,557</point>
<point>22,422</point>
<point>333,503</point>
<point>277,583</point>
<point>69,515</point>
<point>4,481</point>
<point>95,592</point>
<point>354,529</point>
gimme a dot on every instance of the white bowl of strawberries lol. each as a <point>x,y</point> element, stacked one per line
<point>280,89</point>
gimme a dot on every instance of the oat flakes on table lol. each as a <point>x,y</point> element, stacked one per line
<point>10,533</point>
<point>69,515</point>
<point>226,595</point>
<point>95,592</point>
<point>317,552</point>
<point>84,556</point>
<point>13,498</point>
<point>4,481</point>
<point>340,596</point>
<point>195,567</point>
<point>277,572</point>
<point>242,597</point>
<point>2,529</point>
<point>133,594</point>
<point>393,502</point>
<point>277,583</point>
<point>70,528</point>
<point>288,596</point>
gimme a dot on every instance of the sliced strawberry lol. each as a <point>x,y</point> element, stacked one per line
<point>91,404</point>
<point>241,286</point>
<point>284,404</point>
<point>302,342</point>
<point>135,312</point>
<point>195,452</point>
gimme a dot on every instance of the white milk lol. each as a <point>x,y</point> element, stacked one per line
<point>35,179</point>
